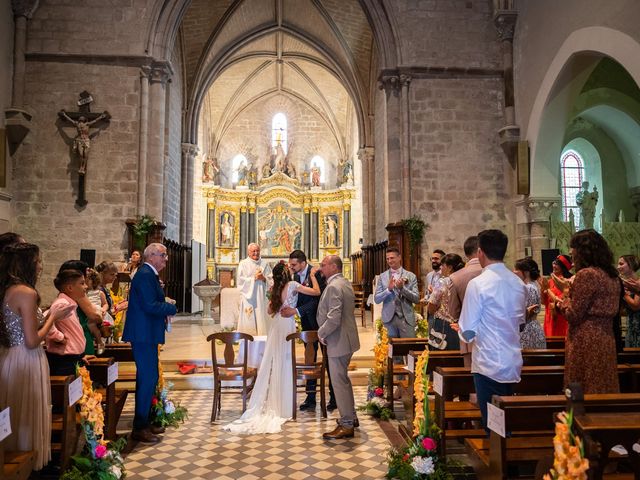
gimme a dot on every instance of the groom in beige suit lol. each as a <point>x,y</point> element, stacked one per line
<point>339,332</point>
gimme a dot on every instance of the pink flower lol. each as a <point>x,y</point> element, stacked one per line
<point>428,443</point>
<point>100,451</point>
<point>378,392</point>
<point>154,400</point>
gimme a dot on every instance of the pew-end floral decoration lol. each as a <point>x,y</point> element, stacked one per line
<point>164,411</point>
<point>568,452</point>
<point>420,459</point>
<point>99,459</point>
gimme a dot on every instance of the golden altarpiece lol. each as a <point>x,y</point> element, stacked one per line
<point>280,214</point>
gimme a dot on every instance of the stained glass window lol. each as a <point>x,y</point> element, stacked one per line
<point>572,175</point>
<point>279,131</point>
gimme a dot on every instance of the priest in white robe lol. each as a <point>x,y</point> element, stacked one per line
<point>254,281</point>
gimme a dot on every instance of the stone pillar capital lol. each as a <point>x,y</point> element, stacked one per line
<point>158,72</point>
<point>24,8</point>
<point>405,79</point>
<point>539,209</point>
<point>366,154</point>
<point>505,23</point>
<point>189,149</point>
<point>389,81</point>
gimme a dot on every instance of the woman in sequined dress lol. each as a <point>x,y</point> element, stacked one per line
<point>24,371</point>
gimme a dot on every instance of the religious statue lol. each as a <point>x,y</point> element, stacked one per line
<point>210,169</point>
<point>331,226</point>
<point>587,202</point>
<point>243,174</point>
<point>226,230</point>
<point>291,170</point>
<point>266,169</point>
<point>280,158</point>
<point>253,174</point>
<point>347,171</point>
<point>82,142</point>
<point>305,177</point>
<point>315,176</point>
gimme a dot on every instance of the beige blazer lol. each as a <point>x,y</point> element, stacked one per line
<point>336,318</point>
<point>459,282</point>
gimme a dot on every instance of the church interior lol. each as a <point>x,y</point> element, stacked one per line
<point>335,127</point>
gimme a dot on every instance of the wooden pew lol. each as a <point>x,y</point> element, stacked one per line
<point>121,353</point>
<point>15,465</point>
<point>555,342</point>
<point>400,347</point>
<point>530,421</point>
<point>64,427</point>
<point>113,402</point>
<point>535,380</point>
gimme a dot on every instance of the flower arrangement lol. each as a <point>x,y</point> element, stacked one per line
<point>165,412</point>
<point>422,326</point>
<point>568,452</point>
<point>376,405</point>
<point>419,460</point>
<point>99,458</point>
<point>118,319</point>
<point>380,352</point>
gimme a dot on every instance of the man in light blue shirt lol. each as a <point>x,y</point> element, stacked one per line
<point>494,307</point>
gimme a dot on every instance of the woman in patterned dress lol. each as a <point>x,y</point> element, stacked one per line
<point>531,335</point>
<point>627,266</point>
<point>590,309</point>
<point>441,335</point>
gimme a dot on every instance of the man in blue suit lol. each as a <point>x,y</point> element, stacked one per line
<point>144,328</point>
<point>307,308</point>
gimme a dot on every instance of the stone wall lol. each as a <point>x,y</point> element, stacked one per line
<point>461,179</point>
<point>45,171</point>
<point>173,149</point>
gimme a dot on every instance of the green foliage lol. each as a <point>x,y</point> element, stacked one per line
<point>165,412</point>
<point>377,410</point>
<point>414,227</point>
<point>143,226</point>
<point>87,465</point>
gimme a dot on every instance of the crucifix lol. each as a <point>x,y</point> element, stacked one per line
<point>83,120</point>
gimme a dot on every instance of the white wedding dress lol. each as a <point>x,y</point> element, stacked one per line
<point>271,402</point>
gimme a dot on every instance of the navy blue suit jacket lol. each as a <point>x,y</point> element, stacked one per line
<point>308,305</point>
<point>145,322</point>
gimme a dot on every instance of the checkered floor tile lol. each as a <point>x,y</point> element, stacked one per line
<point>201,450</point>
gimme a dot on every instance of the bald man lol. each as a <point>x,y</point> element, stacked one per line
<point>254,280</point>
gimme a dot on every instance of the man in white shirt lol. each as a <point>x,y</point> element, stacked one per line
<point>254,280</point>
<point>494,307</point>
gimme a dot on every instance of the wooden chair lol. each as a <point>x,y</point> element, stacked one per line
<point>309,370</point>
<point>359,303</point>
<point>229,370</point>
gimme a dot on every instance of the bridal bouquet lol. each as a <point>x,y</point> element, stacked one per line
<point>419,460</point>
<point>99,458</point>
<point>165,412</point>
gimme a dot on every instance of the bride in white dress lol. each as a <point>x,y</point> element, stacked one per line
<point>271,402</point>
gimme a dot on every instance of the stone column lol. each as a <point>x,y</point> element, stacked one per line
<point>189,152</point>
<point>405,80</point>
<point>159,74</point>
<point>504,19</point>
<point>391,183</point>
<point>534,225</point>
<point>18,121</point>
<point>367,157</point>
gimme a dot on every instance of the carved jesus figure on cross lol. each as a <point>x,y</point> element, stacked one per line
<point>82,142</point>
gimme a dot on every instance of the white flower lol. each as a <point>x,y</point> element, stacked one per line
<point>423,465</point>
<point>169,407</point>
<point>115,471</point>
<point>381,402</point>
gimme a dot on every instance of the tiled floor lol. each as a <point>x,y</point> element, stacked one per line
<point>201,450</point>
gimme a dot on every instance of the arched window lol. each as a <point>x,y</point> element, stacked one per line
<point>572,176</point>
<point>235,165</point>
<point>279,131</point>
<point>318,161</point>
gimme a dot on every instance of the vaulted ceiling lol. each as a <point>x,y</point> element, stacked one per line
<point>319,52</point>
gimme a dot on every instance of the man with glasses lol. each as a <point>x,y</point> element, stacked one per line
<point>144,328</point>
